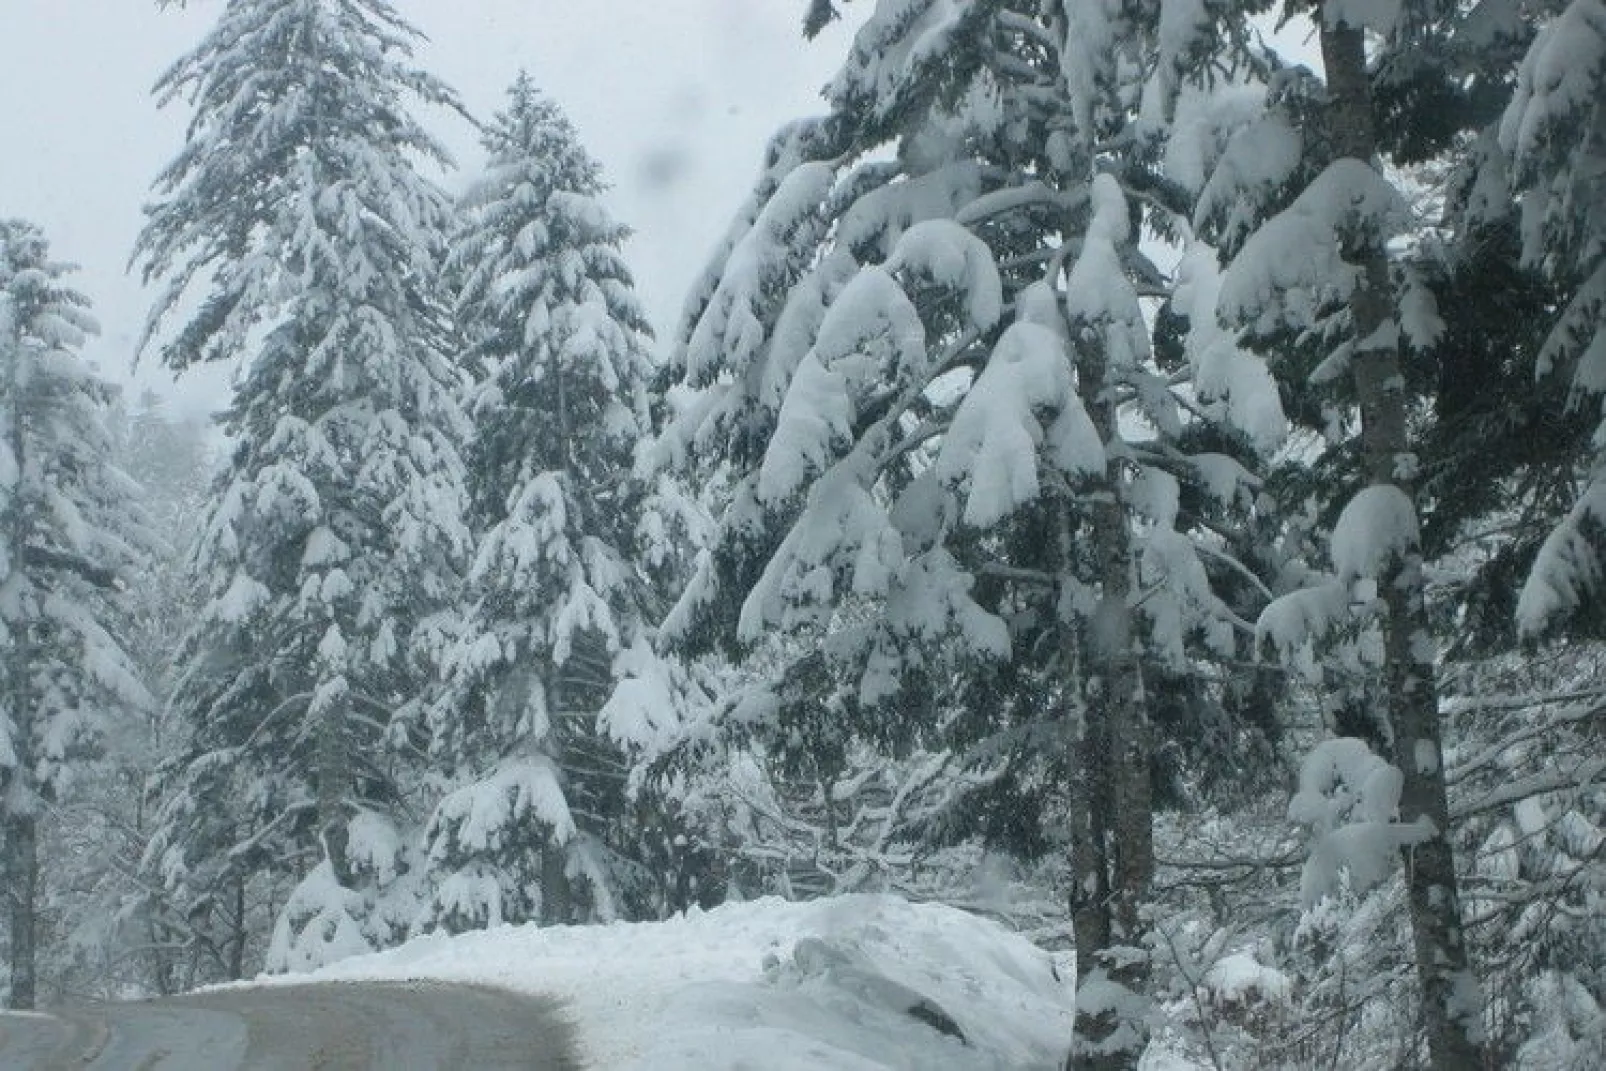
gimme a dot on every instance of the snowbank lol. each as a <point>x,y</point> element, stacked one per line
<point>863,982</point>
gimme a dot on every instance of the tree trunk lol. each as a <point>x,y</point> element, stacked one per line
<point>19,800</point>
<point>22,889</point>
<point>557,892</point>
<point>163,967</point>
<point>1092,796</point>
<point>1112,833</point>
<point>239,938</point>
<point>334,774</point>
<point>557,900</point>
<point>1451,1004</point>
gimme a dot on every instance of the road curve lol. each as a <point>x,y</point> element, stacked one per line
<point>387,1026</point>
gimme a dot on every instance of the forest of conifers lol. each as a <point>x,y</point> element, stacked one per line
<point>1114,476</point>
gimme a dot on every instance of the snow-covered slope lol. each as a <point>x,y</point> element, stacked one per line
<point>773,986</point>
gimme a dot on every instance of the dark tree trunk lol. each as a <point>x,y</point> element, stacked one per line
<point>164,970</point>
<point>1451,1007</point>
<point>1112,832</point>
<point>557,891</point>
<point>238,939</point>
<point>557,899</point>
<point>22,890</point>
<point>1092,795</point>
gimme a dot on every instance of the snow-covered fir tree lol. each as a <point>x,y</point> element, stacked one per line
<point>297,219</point>
<point>535,818</point>
<point>1319,214</point>
<point>923,362</point>
<point>1002,592</point>
<point>72,535</point>
<point>107,934</point>
<point>1488,465</point>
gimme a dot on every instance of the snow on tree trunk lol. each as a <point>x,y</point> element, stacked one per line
<point>1452,1007</point>
<point>1112,855</point>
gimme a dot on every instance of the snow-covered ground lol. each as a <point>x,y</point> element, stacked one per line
<point>773,986</point>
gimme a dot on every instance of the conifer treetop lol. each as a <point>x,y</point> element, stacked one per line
<point>300,122</point>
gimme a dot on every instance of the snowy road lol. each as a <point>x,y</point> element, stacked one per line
<point>400,1026</point>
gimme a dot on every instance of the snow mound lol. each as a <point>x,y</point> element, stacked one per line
<point>866,982</point>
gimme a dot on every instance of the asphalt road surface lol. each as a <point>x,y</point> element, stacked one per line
<point>401,1026</point>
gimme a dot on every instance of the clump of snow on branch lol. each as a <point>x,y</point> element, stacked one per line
<point>1376,528</point>
<point>1088,55</point>
<point>875,220</point>
<point>1202,127</point>
<point>1226,377</point>
<point>1349,801</point>
<point>732,330</point>
<point>320,925</point>
<point>870,329</point>
<point>476,818</point>
<point>1260,157</point>
<point>1293,623</point>
<point>843,533</point>
<point>1098,294</point>
<point>950,256</point>
<point>1239,978</point>
<point>996,432</point>
<point>1294,264</point>
<point>1558,82</point>
<point>1182,24</point>
<point>898,39</point>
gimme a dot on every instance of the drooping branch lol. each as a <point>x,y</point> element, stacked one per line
<point>37,557</point>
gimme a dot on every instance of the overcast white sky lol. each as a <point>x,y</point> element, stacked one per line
<point>675,97</point>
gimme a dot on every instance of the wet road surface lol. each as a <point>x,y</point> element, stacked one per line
<point>391,1026</point>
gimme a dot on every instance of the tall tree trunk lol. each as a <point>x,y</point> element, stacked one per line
<point>1112,835</point>
<point>19,800</point>
<point>1092,796</point>
<point>1451,1005</point>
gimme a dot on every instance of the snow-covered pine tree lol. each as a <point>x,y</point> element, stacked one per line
<point>298,217</point>
<point>110,940</point>
<point>1319,214</point>
<point>916,354</point>
<point>533,824</point>
<point>72,533</point>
